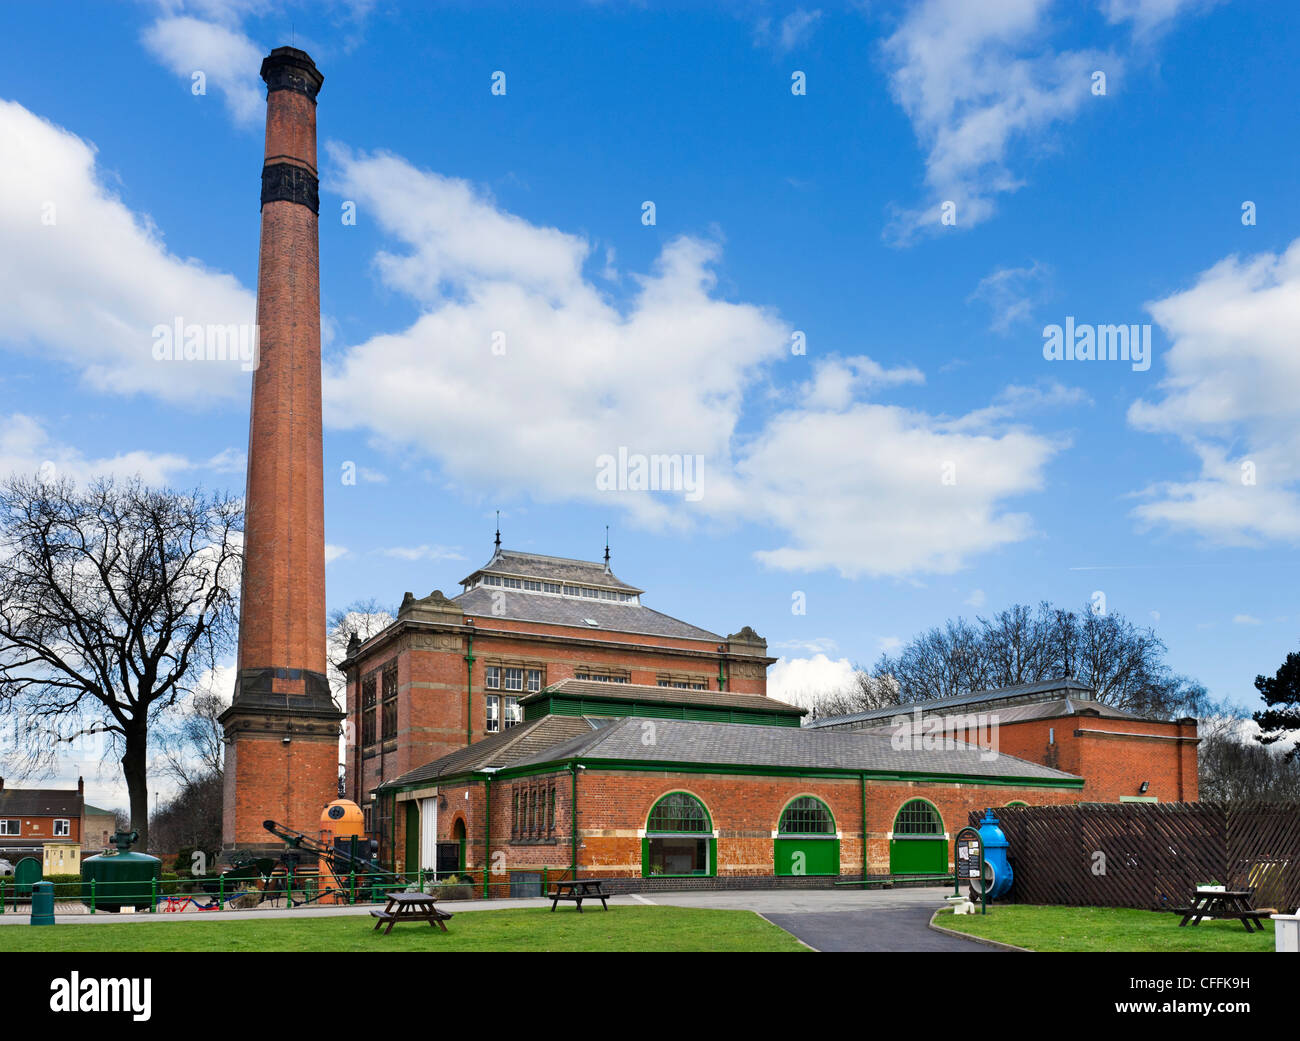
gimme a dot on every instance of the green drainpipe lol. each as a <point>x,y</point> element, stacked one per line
<point>573,815</point>
<point>487,832</point>
<point>469,692</point>
<point>722,679</point>
<point>864,827</point>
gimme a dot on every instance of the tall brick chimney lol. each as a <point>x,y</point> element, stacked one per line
<point>282,726</point>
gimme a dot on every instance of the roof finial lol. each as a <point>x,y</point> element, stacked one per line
<point>498,539</point>
<point>606,547</point>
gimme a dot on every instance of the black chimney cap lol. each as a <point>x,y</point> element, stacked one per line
<point>287,68</point>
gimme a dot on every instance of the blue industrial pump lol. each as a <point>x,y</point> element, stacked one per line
<point>995,857</point>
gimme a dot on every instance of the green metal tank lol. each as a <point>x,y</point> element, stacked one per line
<point>122,878</point>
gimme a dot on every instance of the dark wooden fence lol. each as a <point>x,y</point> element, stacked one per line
<point>1151,855</point>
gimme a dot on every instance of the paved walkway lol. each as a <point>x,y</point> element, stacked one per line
<point>879,920</point>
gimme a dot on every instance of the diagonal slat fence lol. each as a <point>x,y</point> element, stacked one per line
<point>1151,855</point>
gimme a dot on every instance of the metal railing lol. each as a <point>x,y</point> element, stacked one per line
<point>280,889</point>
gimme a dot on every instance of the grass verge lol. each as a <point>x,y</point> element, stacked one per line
<point>531,929</point>
<point>1104,929</point>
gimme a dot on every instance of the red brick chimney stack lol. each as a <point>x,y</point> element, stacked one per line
<point>282,726</point>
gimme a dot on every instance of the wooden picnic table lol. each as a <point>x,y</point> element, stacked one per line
<point>578,890</point>
<point>410,907</point>
<point>1222,903</point>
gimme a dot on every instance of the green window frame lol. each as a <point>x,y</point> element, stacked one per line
<point>679,838</point>
<point>679,813</point>
<point>918,819</point>
<point>807,815</point>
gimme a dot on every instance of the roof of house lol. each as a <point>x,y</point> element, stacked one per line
<point>594,690</point>
<point>1021,691</point>
<point>1001,714</point>
<point>40,802</point>
<point>552,569</point>
<point>554,738</point>
<point>500,750</point>
<point>610,615</point>
<point>689,741</point>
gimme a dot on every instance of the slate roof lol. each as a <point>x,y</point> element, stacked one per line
<point>40,802</point>
<point>939,706</point>
<point>552,569</point>
<point>736,744</point>
<point>594,690</point>
<point>499,750</point>
<point>1016,713</point>
<point>520,605</point>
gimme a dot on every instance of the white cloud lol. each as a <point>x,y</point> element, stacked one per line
<point>1150,16</point>
<point>333,553</point>
<point>89,288</point>
<point>518,346</point>
<point>1245,619</point>
<point>434,553</point>
<point>27,449</point>
<point>1011,294</point>
<point>882,490</point>
<point>229,61</point>
<point>792,31</point>
<point>799,681</point>
<point>974,79</point>
<point>1231,381</point>
<point>837,381</point>
<point>976,599</point>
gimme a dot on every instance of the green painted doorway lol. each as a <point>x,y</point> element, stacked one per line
<point>918,845</point>
<point>412,836</point>
<point>806,843</point>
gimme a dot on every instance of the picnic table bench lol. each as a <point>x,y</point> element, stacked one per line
<point>410,907</point>
<point>578,890</point>
<point>1222,903</point>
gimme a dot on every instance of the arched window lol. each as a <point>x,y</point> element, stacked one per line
<point>679,813</point>
<point>806,815</point>
<point>918,818</point>
<point>679,837</point>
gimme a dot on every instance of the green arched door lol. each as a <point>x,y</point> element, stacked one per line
<point>805,842</point>
<point>918,845</point>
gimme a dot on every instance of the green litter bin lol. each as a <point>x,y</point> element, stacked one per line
<point>43,903</point>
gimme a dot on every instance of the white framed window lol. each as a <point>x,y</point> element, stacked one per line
<point>492,677</point>
<point>493,713</point>
<point>534,680</point>
<point>512,583</point>
<point>514,679</point>
<point>532,586</point>
<point>552,587</point>
<point>62,828</point>
<point>10,827</point>
<point>514,714</point>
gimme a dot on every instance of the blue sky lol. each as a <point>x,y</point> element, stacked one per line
<point>775,213</point>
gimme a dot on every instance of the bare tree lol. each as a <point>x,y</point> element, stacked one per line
<point>362,619</point>
<point>113,599</point>
<point>193,745</point>
<point>1122,662</point>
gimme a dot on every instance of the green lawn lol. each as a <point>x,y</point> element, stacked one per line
<point>1104,929</point>
<point>533,929</point>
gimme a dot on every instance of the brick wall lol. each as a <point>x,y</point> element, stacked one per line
<point>432,679</point>
<point>1114,756</point>
<point>614,806</point>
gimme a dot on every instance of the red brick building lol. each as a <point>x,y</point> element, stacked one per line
<point>546,720</point>
<point>1121,756</point>
<point>452,671</point>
